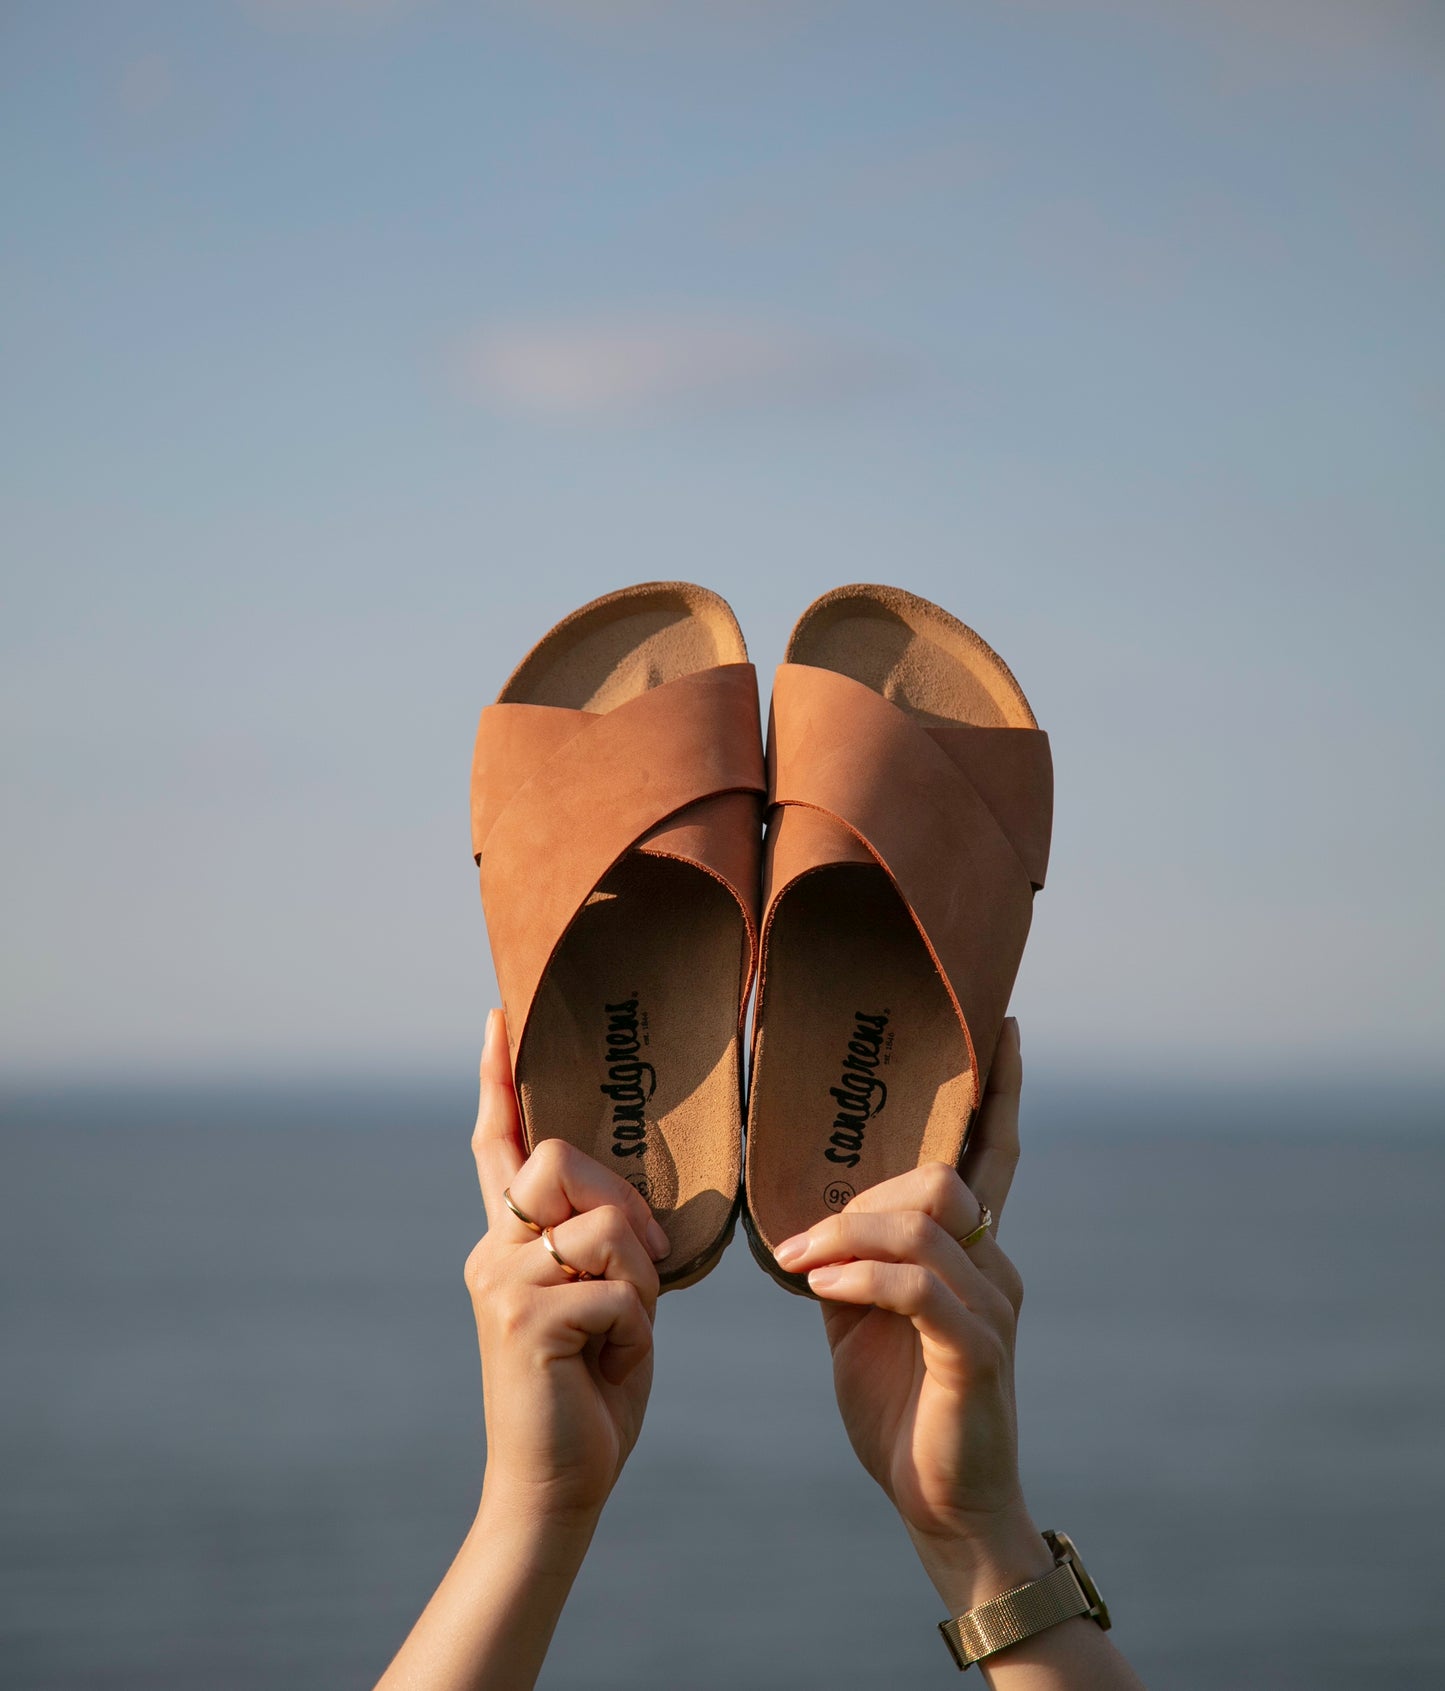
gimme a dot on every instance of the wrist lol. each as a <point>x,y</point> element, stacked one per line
<point>974,1566</point>
<point>537,1529</point>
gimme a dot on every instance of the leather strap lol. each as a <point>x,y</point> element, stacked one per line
<point>958,816</point>
<point>558,796</point>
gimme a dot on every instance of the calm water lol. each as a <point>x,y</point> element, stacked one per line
<point>241,1434</point>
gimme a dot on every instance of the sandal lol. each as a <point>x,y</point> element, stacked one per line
<point>911,795</point>
<point>616,819</point>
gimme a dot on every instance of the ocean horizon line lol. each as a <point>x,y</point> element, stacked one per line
<point>1058,1098</point>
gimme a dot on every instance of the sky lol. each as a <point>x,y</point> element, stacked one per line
<point>348,344</point>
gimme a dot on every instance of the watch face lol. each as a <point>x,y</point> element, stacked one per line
<point>1063,1547</point>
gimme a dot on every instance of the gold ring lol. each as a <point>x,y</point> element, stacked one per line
<point>985,1221</point>
<point>520,1214</point>
<point>561,1261</point>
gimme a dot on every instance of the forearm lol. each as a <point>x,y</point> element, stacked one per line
<point>491,1619</point>
<point>1075,1655</point>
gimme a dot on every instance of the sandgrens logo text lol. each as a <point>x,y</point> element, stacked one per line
<point>860,1095</point>
<point>630,1083</point>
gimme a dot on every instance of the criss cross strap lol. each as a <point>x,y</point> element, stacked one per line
<point>957,815</point>
<point>558,796</point>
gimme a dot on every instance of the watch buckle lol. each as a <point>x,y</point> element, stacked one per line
<point>1063,1548</point>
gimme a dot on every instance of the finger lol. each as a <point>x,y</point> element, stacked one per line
<point>905,1288</point>
<point>612,1311</point>
<point>993,1143</point>
<point>939,1191</point>
<point>935,1188</point>
<point>899,1236</point>
<point>558,1181</point>
<point>600,1243</point>
<point>497,1137</point>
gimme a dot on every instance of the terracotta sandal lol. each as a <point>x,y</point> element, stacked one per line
<point>912,795</point>
<point>617,820</point>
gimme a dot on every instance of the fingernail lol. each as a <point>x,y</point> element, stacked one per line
<point>658,1242</point>
<point>791,1250</point>
<point>820,1279</point>
<point>490,1034</point>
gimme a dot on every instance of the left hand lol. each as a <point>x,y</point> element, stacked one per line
<point>566,1363</point>
<point>566,1369</point>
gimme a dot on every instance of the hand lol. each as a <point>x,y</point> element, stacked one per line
<point>566,1369</point>
<point>922,1335</point>
<point>566,1364</point>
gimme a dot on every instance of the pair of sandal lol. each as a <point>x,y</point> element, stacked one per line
<point>619,795</point>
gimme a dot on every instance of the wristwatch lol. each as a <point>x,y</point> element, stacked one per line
<point>1057,1596</point>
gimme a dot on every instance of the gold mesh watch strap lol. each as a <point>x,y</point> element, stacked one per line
<point>1057,1596</point>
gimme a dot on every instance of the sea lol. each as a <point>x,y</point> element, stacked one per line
<point>241,1431</point>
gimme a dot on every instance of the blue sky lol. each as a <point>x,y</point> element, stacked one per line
<point>348,344</point>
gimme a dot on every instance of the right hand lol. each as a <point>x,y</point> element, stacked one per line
<point>922,1333</point>
<point>566,1364</point>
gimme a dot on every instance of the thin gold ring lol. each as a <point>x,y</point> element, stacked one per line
<point>561,1261</point>
<point>520,1214</point>
<point>985,1221</point>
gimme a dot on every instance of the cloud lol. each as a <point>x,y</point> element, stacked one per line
<point>636,367</point>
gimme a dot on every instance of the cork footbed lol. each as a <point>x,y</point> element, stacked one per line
<point>846,974</point>
<point>641,996</point>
